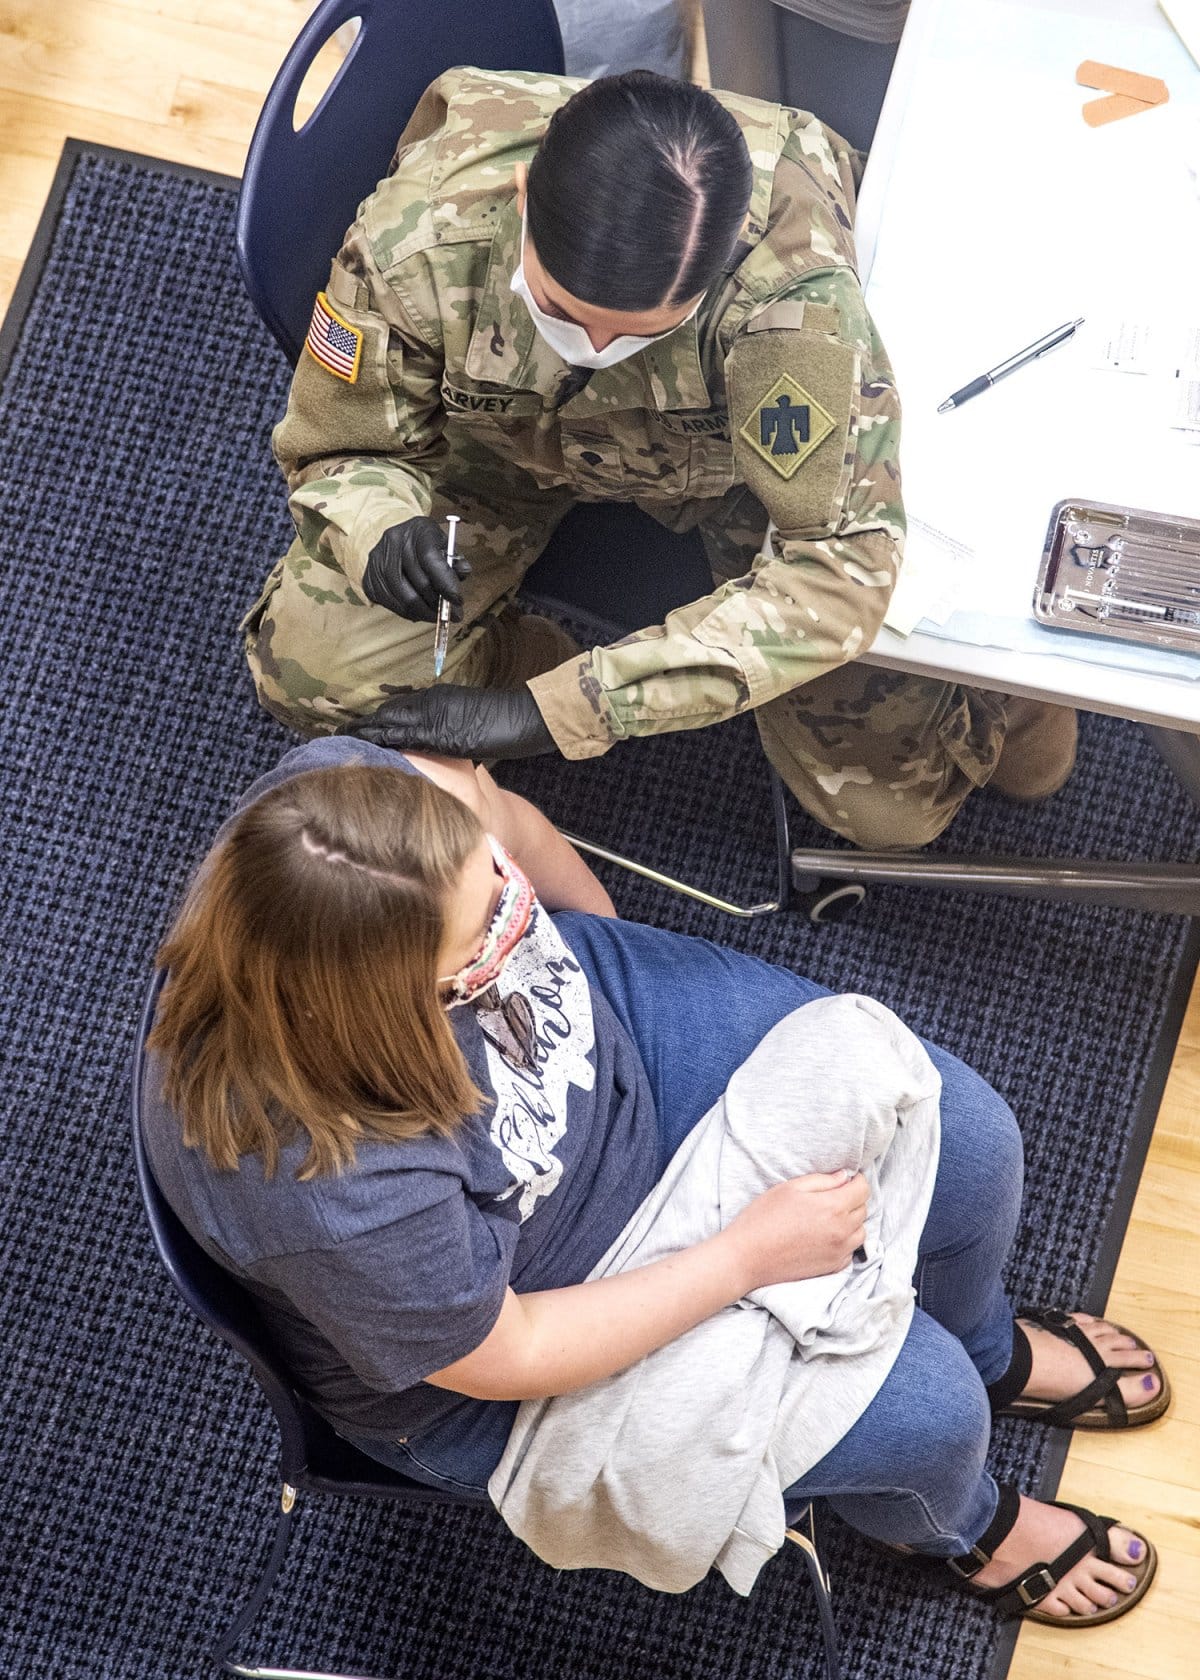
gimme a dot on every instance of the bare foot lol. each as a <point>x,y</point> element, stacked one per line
<point>1059,1370</point>
<point>1039,1534</point>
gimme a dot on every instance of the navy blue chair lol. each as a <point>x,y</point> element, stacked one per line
<point>313,1457</point>
<point>301,187</point>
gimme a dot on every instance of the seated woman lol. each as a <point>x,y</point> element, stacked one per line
<point>410,1096</point>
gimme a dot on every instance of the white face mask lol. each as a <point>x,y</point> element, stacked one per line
<point>569,340</point>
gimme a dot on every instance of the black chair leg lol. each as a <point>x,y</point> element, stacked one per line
<point>805,1536</point>
<point>221,1647</point>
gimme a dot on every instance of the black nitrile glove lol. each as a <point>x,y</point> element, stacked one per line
<point>458,723</point>
<point>407,571</point>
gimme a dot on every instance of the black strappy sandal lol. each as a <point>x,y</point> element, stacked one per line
<point>1022,1596</point>
<point>1098,1405</point>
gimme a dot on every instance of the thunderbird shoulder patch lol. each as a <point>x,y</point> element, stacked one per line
<point>333,342</point>
<point>786,425</point>
<point>793,403</point>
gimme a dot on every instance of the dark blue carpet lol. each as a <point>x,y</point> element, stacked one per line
<point>140,511</point>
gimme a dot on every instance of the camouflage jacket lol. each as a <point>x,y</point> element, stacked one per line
<point>779,384</point>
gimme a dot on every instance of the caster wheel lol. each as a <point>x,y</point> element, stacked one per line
<point>831,901</point>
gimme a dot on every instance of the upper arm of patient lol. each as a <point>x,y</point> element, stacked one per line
<point>457,775</point>
<point>469,782</point>
<point>493,1370</point>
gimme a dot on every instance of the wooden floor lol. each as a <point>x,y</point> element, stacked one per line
<point>183,79</point>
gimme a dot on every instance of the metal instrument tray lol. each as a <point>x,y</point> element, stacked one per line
<point>1119,571</point>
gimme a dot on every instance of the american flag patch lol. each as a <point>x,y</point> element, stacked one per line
<point>333,342</point>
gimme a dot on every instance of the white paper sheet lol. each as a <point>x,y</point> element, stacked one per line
<point>1006,216</point>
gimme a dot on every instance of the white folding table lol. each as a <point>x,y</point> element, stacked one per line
<point>989,213</point>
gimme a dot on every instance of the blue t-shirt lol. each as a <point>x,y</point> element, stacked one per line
<point>373,1278</point>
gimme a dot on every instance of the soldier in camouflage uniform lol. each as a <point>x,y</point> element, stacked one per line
<point>426,390</point>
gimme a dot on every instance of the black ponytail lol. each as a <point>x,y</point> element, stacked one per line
<point>638,191</point>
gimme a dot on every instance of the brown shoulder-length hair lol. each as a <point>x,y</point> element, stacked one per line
<point>301,991</point>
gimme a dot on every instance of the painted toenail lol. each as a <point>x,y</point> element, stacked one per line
<point>1147,1382</point>
<point>1130,1582</point>
<point>1136,1549</point>
<point>1147,1359</point>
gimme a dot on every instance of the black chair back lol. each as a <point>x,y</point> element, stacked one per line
<point>302,187</point>
<point>312,1453</point>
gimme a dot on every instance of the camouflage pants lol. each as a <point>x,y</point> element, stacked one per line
<point>880,758</point>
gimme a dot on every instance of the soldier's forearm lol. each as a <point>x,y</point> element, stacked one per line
<point>341,515</point>
<point>810,610</point>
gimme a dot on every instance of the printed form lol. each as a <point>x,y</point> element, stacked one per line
<point>1005,216</point>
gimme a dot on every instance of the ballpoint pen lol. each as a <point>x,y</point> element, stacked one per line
<point>441,639</point>
<point>1029,354</point>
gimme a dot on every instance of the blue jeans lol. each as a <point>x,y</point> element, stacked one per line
<point>911,1470</point>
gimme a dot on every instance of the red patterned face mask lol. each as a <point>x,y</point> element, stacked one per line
<point>508,926</point>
